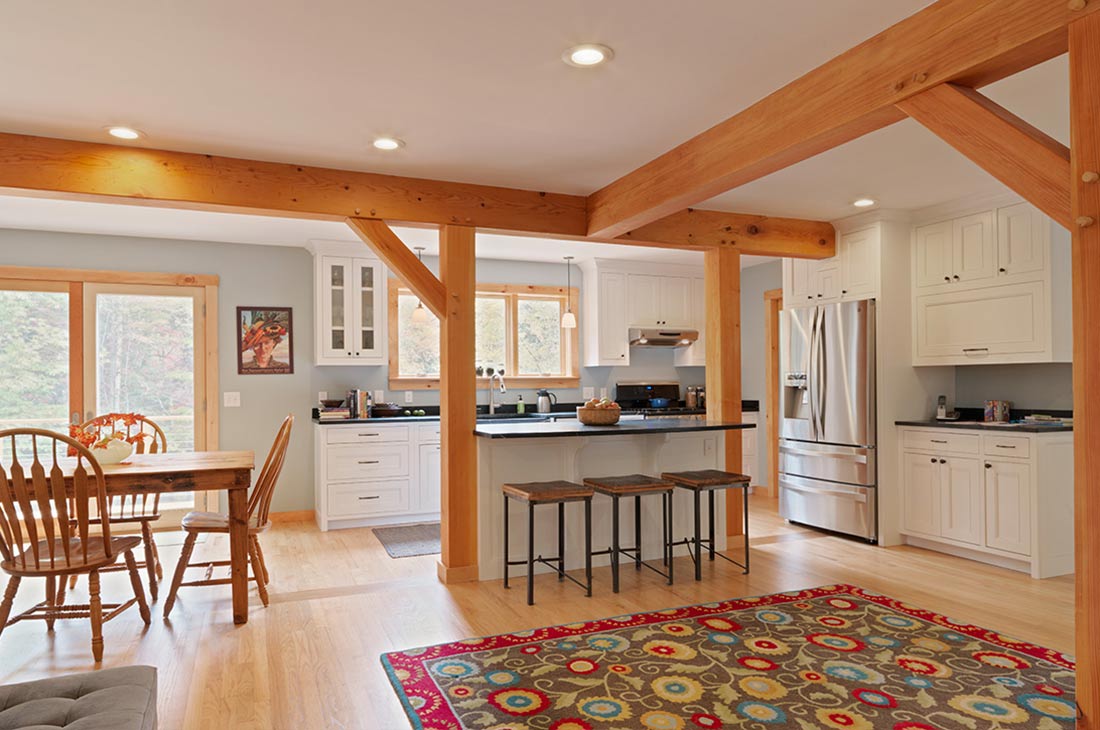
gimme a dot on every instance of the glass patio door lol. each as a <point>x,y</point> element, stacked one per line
<point>34,355</point>
<point>143,354</point>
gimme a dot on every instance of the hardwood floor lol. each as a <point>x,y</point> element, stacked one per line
<point>338,601</point>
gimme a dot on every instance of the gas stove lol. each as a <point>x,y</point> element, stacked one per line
<point>642,399</point>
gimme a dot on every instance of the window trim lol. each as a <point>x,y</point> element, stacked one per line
<point>512,293</point>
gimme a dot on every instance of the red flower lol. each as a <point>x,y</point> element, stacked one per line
<point>1048,689</point>
<point>703,720</point>
<point>758,663</point>
<point>571,723</point>
<point>582,666</point>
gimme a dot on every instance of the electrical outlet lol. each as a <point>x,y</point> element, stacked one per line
<point>588,393</point>
<point>603,392</point>
<point>322,395</point>
<point>408,396</point>
<point>379,396</point>
<point>231,399</point>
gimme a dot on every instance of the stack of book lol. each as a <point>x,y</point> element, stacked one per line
<point>341,413</point>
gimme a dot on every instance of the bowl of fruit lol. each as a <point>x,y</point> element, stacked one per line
<point>599,412</point>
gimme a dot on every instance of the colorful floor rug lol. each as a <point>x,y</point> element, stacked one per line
<point>831,658</point>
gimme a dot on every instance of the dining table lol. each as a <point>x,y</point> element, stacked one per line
<point>198,471</point>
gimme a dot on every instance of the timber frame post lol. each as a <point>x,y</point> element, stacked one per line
<point>1084,57</point>
<point>722,294</point>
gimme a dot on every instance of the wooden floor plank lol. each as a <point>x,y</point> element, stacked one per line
<point>338,601</point>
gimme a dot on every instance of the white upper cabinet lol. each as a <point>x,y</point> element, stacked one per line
<point>974,252</point>
<point>985,290</point>
<point>933,255</point>
<point>1021,240</point>
<point>851,275</point>
<point>350,295</point>
<point>619,295</point>
<point>859,264</point>
<point>612,342</point>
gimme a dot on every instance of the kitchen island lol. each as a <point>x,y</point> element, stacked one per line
<point>525,451</point>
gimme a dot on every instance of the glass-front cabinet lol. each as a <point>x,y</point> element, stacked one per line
<point>350,306</point>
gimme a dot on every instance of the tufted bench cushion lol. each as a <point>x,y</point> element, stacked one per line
<point>124,698</point>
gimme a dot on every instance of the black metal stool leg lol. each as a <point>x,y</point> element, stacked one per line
<point>665,549</point>
<point>505,541</point>
<point>588,546</point>
<point>530,554</point>
<point>698,536</point>
<point>670,532</point>
<point>710,521</point>
<point>745,510</point>
<point>637,532</point>
<point>561,541</point>
<point>615,544</point>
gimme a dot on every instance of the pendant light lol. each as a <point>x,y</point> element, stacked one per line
<point>420,314</point>
<point>568,320</point>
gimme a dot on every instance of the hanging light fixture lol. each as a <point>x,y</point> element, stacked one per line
<point>420,315</point>
<point>568,320</point>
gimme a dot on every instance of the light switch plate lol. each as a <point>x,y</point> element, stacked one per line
<point>322,395</point>
<point>408,396</point>
<point>379,396</point>
<point>588,393</point>
<point>231,399</point>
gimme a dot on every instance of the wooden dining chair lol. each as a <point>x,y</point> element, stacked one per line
<point>41,538</point>
<point>259,506</point>
<point>134,509</point>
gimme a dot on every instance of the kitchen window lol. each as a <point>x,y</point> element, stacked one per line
<point>517,326</point>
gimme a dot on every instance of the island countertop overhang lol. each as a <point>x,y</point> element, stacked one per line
<point>573,428</point>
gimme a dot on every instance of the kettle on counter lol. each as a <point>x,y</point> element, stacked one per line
<point>545,402</point>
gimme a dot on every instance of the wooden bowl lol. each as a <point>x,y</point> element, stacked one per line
<point>598,416</point>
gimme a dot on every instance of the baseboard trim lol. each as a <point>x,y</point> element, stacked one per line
<point>302,515</point>
<point>460,574</point>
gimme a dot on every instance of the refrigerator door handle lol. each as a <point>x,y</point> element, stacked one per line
<point>811,363</point>
<point>822,384</point>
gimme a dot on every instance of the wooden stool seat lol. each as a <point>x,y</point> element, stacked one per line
<point>547,492</point>
<point>630,484</point>
<point>706,479</point>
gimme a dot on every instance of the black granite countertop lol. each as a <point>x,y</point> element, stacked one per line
<point>983,426</point>
<point>542,429</point>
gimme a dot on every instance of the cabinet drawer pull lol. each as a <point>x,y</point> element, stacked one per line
<point>371,461</point>
<point>937,441</point>
<point>373,496</point>
<point>1003,446</point>
<point>968,350</point>
<point>368,434</point>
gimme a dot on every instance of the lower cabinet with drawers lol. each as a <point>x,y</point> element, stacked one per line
<point>376,473</point>
<point>1002,498</point>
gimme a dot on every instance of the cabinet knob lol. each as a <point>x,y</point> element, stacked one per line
<point>955,277</point>
<point>943,461</point>
<point>988,466</point>
<point>1002,270</point>
<point>818,296</point>
<point>933,461</point>
<point>349,354</point>
<point>843,291</point>
<point>947,278</point>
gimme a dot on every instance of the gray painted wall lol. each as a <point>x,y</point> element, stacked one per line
<point>1036,387</point>
<point>283,276</point>
<point>756,280</point>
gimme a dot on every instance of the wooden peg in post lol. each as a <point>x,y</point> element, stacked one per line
<point>1078,4</point>
<point>1091,177</point>
<point>1085,221</point>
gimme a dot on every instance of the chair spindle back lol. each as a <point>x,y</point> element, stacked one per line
<point>259,503</point>
<point>63,514</point>
<point>138,430</point>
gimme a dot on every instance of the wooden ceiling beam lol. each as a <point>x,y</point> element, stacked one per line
<point>401,261</point>
<point>971,42</point>
<point>1025,159</point>
<point>757,235</point>
<point>189,180</point>
<point>92,171</point>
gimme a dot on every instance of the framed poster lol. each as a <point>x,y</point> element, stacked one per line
<point>265,341</point>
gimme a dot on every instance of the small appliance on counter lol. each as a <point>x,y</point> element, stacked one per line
<point>546,401</point>
<point>942,412</point>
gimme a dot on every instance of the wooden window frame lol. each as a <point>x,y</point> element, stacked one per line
<point>74,280</point>
<point>512,294</point>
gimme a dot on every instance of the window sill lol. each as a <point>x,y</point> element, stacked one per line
<point>525,382</point>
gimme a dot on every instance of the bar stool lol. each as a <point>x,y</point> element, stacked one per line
<point>637,486</point>
<point>709,481</point>
<point>559,493</point>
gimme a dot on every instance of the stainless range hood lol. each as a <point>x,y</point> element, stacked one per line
<point>656,337</point>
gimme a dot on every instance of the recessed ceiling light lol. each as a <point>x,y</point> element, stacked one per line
<point>588,55</point>
<point>124,132</point>
<point>388,143</point>
<point>864,203</point>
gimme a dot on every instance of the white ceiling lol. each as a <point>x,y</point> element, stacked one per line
<point>476,88</point>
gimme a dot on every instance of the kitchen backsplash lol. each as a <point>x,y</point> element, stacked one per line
<point>1045,386</point>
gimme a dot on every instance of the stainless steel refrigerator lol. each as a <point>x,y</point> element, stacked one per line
<point>827,465</point>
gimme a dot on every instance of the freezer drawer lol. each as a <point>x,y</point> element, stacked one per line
<point>839,507</point>
<point>849,464</point>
